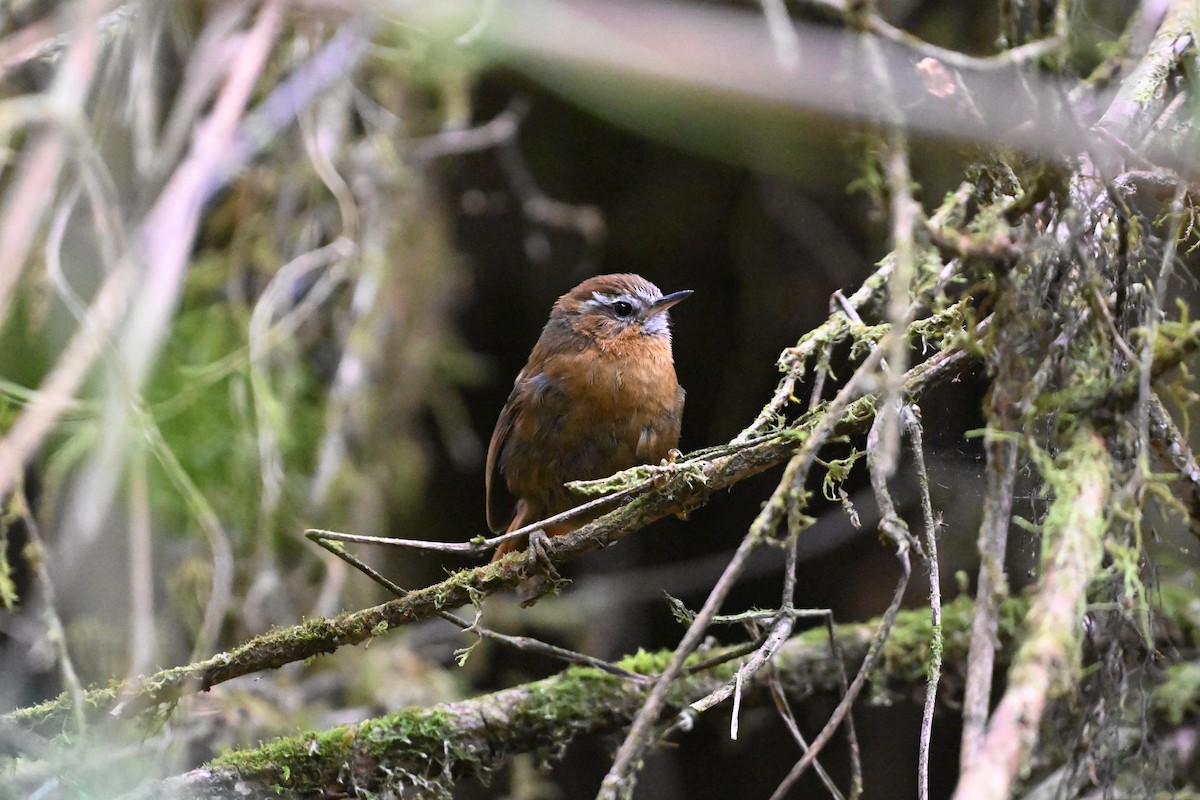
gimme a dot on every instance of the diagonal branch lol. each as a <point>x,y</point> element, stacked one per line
<point>696,479</point>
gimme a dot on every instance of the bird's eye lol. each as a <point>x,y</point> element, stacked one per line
<point>622,308</point>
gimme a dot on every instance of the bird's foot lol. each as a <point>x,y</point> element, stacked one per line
<point>667,468</point>
<point>544,578</point>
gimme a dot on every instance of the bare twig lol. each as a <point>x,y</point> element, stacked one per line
<point>166,235</point>
<point>221,551</point>
<point>853,16</point>
<point>904,213</point>
<point>34,187</point>
<point>911,418</point>
<point>895,529</point>
<point>475,31</point>
<point>1139,90</point>
<point>779,698</point>
<point>619,780</point>
<point>1000,444</point>
<point>143,637</point>
<point>482,545</point>
<point>993,539</point>
<point>164,240</point>
<point>1172,447</point>
<point>329,67</point>
<point>55,632</point>
<point>1153,319</point>
<point>499,129</point>
<point>47,39</point>
<point>841,712</point>
<point>781,629</point>
<point>519,642</point>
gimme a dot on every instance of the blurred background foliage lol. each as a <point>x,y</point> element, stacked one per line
<point>355,307</point>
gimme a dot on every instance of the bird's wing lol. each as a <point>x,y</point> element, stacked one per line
<point>500,502</point>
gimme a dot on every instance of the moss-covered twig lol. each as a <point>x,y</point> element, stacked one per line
<point>1048,659</point>
<point>1172,448</point>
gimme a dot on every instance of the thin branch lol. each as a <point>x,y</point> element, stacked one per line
<point>143,637</point>
<point>779,698</point>
<point>1171,447</point>
<point>852,16</point>
<point>783,33</point>
<point>1153,317</point>
<point>37,177</point>
<point>55,632</point>
<point>219,153</point>
<point>475,31</point>
<point>46,40</point>
<point>519,642</point>
<point>1139,90</point>
<point>842,711</point>
<point>896,530</point>
<point>499,129</point>
<point>1002,450</point>
<point>792,362</point>
<point>911,418</point>
<point>480,545</point>
<point>620,778</point>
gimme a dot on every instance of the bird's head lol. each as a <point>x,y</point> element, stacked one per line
<point>609,307</point>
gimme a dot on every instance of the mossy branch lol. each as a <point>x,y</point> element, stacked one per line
<point>1047,662</point>
<point>718,468</point>
<point>432,747</point>
<point>715,469</point>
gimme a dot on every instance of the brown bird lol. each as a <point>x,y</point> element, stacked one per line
<point>598,395</point>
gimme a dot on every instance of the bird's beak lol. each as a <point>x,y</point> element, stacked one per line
<point>666,301</point>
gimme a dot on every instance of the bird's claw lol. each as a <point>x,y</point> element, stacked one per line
<point>544,578</point>
<point>667,468</point>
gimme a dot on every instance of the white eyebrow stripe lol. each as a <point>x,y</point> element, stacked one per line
<point>599,302</point>
<point>646,297</point>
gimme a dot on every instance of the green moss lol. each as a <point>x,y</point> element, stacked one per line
<point>289,749</point>
<point>836,471</point>
<point>1178,696</point>
<point>944,328</point>
<point>310,763</point>
<point>908,651</point>
<point>646,663</point>
<point>8,589</point>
